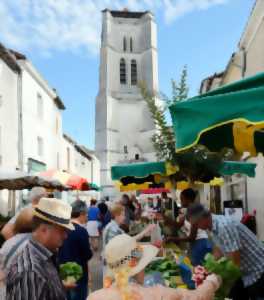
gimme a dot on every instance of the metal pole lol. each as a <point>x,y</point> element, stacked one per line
<point>20,130</point>
<point>246,196</point>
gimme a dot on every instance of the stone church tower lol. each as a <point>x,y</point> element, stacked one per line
<point>123,123</point>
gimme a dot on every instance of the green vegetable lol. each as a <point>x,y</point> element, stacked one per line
<point>225,268</point>
<point>70,269</point>
<point>168,268</point>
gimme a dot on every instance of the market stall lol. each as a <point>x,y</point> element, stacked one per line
<point>74,182</point>
<point>157,175</point>
<point>229,117</point>
<point>21,181</point>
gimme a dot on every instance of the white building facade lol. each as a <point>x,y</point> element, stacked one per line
<point>31,134</point>
<point>42,121</point>
<point>10,92</point>
<point>123,123</point>
<point>77,159</point>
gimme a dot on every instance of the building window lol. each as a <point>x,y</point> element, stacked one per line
<point>131,44</point>
<point>39,106</point>
<point>68,159</point>
<point>122,71</point>
<point>40,146</point>
<point>133,72</point>
<point>124,44</point>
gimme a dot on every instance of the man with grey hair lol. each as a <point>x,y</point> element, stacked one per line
<point>35,195</point>
<point>238,243</point>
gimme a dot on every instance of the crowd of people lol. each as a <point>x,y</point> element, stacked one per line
<point>49,232</point>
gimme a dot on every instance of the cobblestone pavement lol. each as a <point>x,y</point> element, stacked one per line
<point>96,271</point>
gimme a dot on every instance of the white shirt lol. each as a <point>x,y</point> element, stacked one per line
<point>201,234</point>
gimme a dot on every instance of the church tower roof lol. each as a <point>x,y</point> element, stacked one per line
<point>126,13</point>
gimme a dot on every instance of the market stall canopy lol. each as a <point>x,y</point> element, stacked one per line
<point>75,182</point>
<point>238,167</point>
<point>138,170</point>
<point>229,117</point>
<point>90,187</point>
<point>151,175</point>
<point>21,181</point>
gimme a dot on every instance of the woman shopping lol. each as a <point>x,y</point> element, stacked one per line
<point>126,260</point>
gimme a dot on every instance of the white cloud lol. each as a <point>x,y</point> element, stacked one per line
<point>74,25</point>
<point>178,8</point>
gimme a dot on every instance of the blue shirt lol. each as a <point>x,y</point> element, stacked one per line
<point>111,230</point>
<point>231,236</point>
<point>93,213</point>
<point>76,248</point>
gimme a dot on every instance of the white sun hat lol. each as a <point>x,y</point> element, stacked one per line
<point>54,211</point>
<point>124,251</point>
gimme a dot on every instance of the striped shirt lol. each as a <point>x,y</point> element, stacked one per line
<point>231,236</point>
<point>33,275</point>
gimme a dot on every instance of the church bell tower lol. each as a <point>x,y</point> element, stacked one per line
<point>124,126</point>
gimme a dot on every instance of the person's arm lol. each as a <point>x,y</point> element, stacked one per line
<point>230,243</point>
<point>235,257</point>
<point>84,245</point>
<point>173,223</point>
<point>145,232</point>
<point>8,230</point>
<point>217,253</point>
<point>190,238</point>
<point>205,291</point>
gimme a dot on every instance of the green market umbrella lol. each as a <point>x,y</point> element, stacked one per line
<point>231,116</point>
<point>137,176</point>
<point>238,167</point>
<point>94,187</point>
<point>138,170</point>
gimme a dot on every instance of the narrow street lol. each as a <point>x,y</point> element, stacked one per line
<point>96,272</point>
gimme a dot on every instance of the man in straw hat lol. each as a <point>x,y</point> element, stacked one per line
<point>236,241</point>
<point>125,259</point>
<point>33,274</point>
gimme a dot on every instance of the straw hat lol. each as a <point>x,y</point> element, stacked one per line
<point>124,251</point>
<point>54,211</point>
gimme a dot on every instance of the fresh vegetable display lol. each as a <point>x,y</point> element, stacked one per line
<point>226,269</point>
<point>169,271</point>
<point>70,272</point>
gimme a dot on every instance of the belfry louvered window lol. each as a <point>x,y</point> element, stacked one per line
<point>133,72</point>
<point>131,44</point>
<point>122,71</point>
<point>124,44</point>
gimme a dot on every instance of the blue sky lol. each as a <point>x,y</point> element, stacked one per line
<point>61,38</point>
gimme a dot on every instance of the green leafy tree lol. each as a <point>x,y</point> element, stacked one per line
<point>180,90</point>
<point>164,140</point>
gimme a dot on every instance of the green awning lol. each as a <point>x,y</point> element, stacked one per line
<point>138,170</point>
<point>94,187</point>
<point>238,167</point>
<point>141,173</point>
<point>231,116</point>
